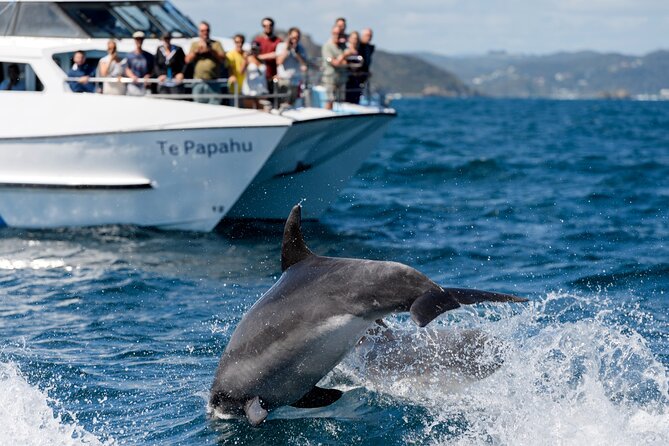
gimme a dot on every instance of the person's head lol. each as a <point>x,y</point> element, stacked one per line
<point>267,26</point>
<point>139,38</point>
<point>13,72</point>
<point>366,35</point>
<point>336,32</point>
<point>239,40</point>
<point>167,38</point>
<point>255,48</point>
<point>294,35</point>
<point>79,58</point>
<point>354,39</point>
<point>204,30</point>
<point>341,23</point>
<point>111,47</point>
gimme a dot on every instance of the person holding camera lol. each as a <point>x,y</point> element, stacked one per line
<point>208,57</point>
<point>291,59</point>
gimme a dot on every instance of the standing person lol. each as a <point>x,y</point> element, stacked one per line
<point>82,72</point>
<point>170,62</point>
<point>343,37</point>
<point>112,66</point>
<point>353,85</point>
<point>236,65</point>
<point>139,67</point>
<point>255,81</point>
<point>334,68</point>
<point>208,56</point>
<point>291,59</point>
<point>268,43</point>
<point>366,50</point>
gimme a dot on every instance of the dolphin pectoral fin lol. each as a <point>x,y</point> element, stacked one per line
<point>430,305</point>
<point>434,302</point>
<point>318,397</point>
<point>293,247</point>
<point>254,411</point>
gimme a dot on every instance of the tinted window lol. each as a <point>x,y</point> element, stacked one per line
<point>44,20</point>
<point>18,77</point>
<point>172,20</point>
<point>138,20</point>
<point>97,20</point>
<point>6,13</point>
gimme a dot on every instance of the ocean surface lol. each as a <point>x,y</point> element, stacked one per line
<point>112,335</point>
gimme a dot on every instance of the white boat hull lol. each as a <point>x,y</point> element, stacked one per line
<point>173,179</point>
<point>314,161</point>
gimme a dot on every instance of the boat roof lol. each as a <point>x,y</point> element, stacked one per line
<point>81,1</point>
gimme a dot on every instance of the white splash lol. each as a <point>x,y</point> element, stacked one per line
<point>26,418</point>
<point>576,382</point>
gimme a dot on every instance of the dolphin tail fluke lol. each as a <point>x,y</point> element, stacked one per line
<point>293,248</point>
<point>434,302</point>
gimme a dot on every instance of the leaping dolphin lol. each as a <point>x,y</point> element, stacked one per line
<point>305,324</point>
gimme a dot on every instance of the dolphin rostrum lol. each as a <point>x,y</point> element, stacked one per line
<point>305,324</point>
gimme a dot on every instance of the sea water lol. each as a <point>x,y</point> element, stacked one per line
<point>112,335</point>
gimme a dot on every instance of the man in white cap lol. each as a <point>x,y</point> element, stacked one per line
<point>139,66</point>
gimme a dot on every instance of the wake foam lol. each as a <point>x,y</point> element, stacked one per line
<point>562,380</point>
<point>27,419</point>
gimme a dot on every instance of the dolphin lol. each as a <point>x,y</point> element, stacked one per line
<point>305,324</point>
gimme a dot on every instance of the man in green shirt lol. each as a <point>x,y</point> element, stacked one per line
<point>335,71</point>
<point>208,56</point>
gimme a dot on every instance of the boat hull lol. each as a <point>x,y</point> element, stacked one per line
<point>184,179</point>
<point>314,161</point>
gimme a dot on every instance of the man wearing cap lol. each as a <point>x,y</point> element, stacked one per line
<point>208,56</point>
<point>139,66</point>
<point>169,67</point>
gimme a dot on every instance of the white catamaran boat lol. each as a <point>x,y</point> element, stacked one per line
<point>71,159</point>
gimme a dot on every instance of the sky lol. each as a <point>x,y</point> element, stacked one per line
<point>458,27</point>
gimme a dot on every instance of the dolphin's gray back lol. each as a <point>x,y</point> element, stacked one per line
<point>313,315</point>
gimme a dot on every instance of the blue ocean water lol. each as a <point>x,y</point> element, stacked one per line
<point>112,335</point>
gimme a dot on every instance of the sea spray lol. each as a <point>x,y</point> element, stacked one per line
<point>28,419</point>
<point>585,382</point>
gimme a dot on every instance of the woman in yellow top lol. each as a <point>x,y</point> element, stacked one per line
<point>236,65</point>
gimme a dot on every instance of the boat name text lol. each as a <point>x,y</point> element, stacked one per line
<point>208,149</point>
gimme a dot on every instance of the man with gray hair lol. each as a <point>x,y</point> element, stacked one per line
<point>366,50</point>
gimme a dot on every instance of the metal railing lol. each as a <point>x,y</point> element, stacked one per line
<point>311,77</point>
<point>236,97</point>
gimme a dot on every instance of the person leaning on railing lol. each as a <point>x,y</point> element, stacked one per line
<point>291,59</point>
<point>169,66</point>
<point>138,67</point>
<point>334,69</point>
<point>208,56</point>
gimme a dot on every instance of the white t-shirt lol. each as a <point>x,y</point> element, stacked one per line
<point>255,81</point>
<point>290,69</point>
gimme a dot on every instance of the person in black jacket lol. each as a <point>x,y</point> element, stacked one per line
<point>169,67</point>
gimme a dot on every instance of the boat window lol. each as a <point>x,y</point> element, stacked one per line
<point>172,20</point>
<point>138,20</point>
<point>43,19</point>
<point>97,20</point>
<point>18,77</point>
<point>6,15</point>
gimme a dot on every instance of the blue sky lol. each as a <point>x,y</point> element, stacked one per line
<point>459,26</point>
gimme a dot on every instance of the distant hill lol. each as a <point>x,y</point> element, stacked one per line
<point>585,74</point>
<point>406,74</point>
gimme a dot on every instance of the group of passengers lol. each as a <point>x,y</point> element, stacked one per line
<point>273,65</point>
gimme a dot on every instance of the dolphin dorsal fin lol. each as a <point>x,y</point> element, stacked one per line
<point>293,248</point>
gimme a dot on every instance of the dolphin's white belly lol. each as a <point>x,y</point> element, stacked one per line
<point>301,363</point>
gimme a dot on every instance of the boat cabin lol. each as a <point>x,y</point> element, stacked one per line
<point>92,19</point>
